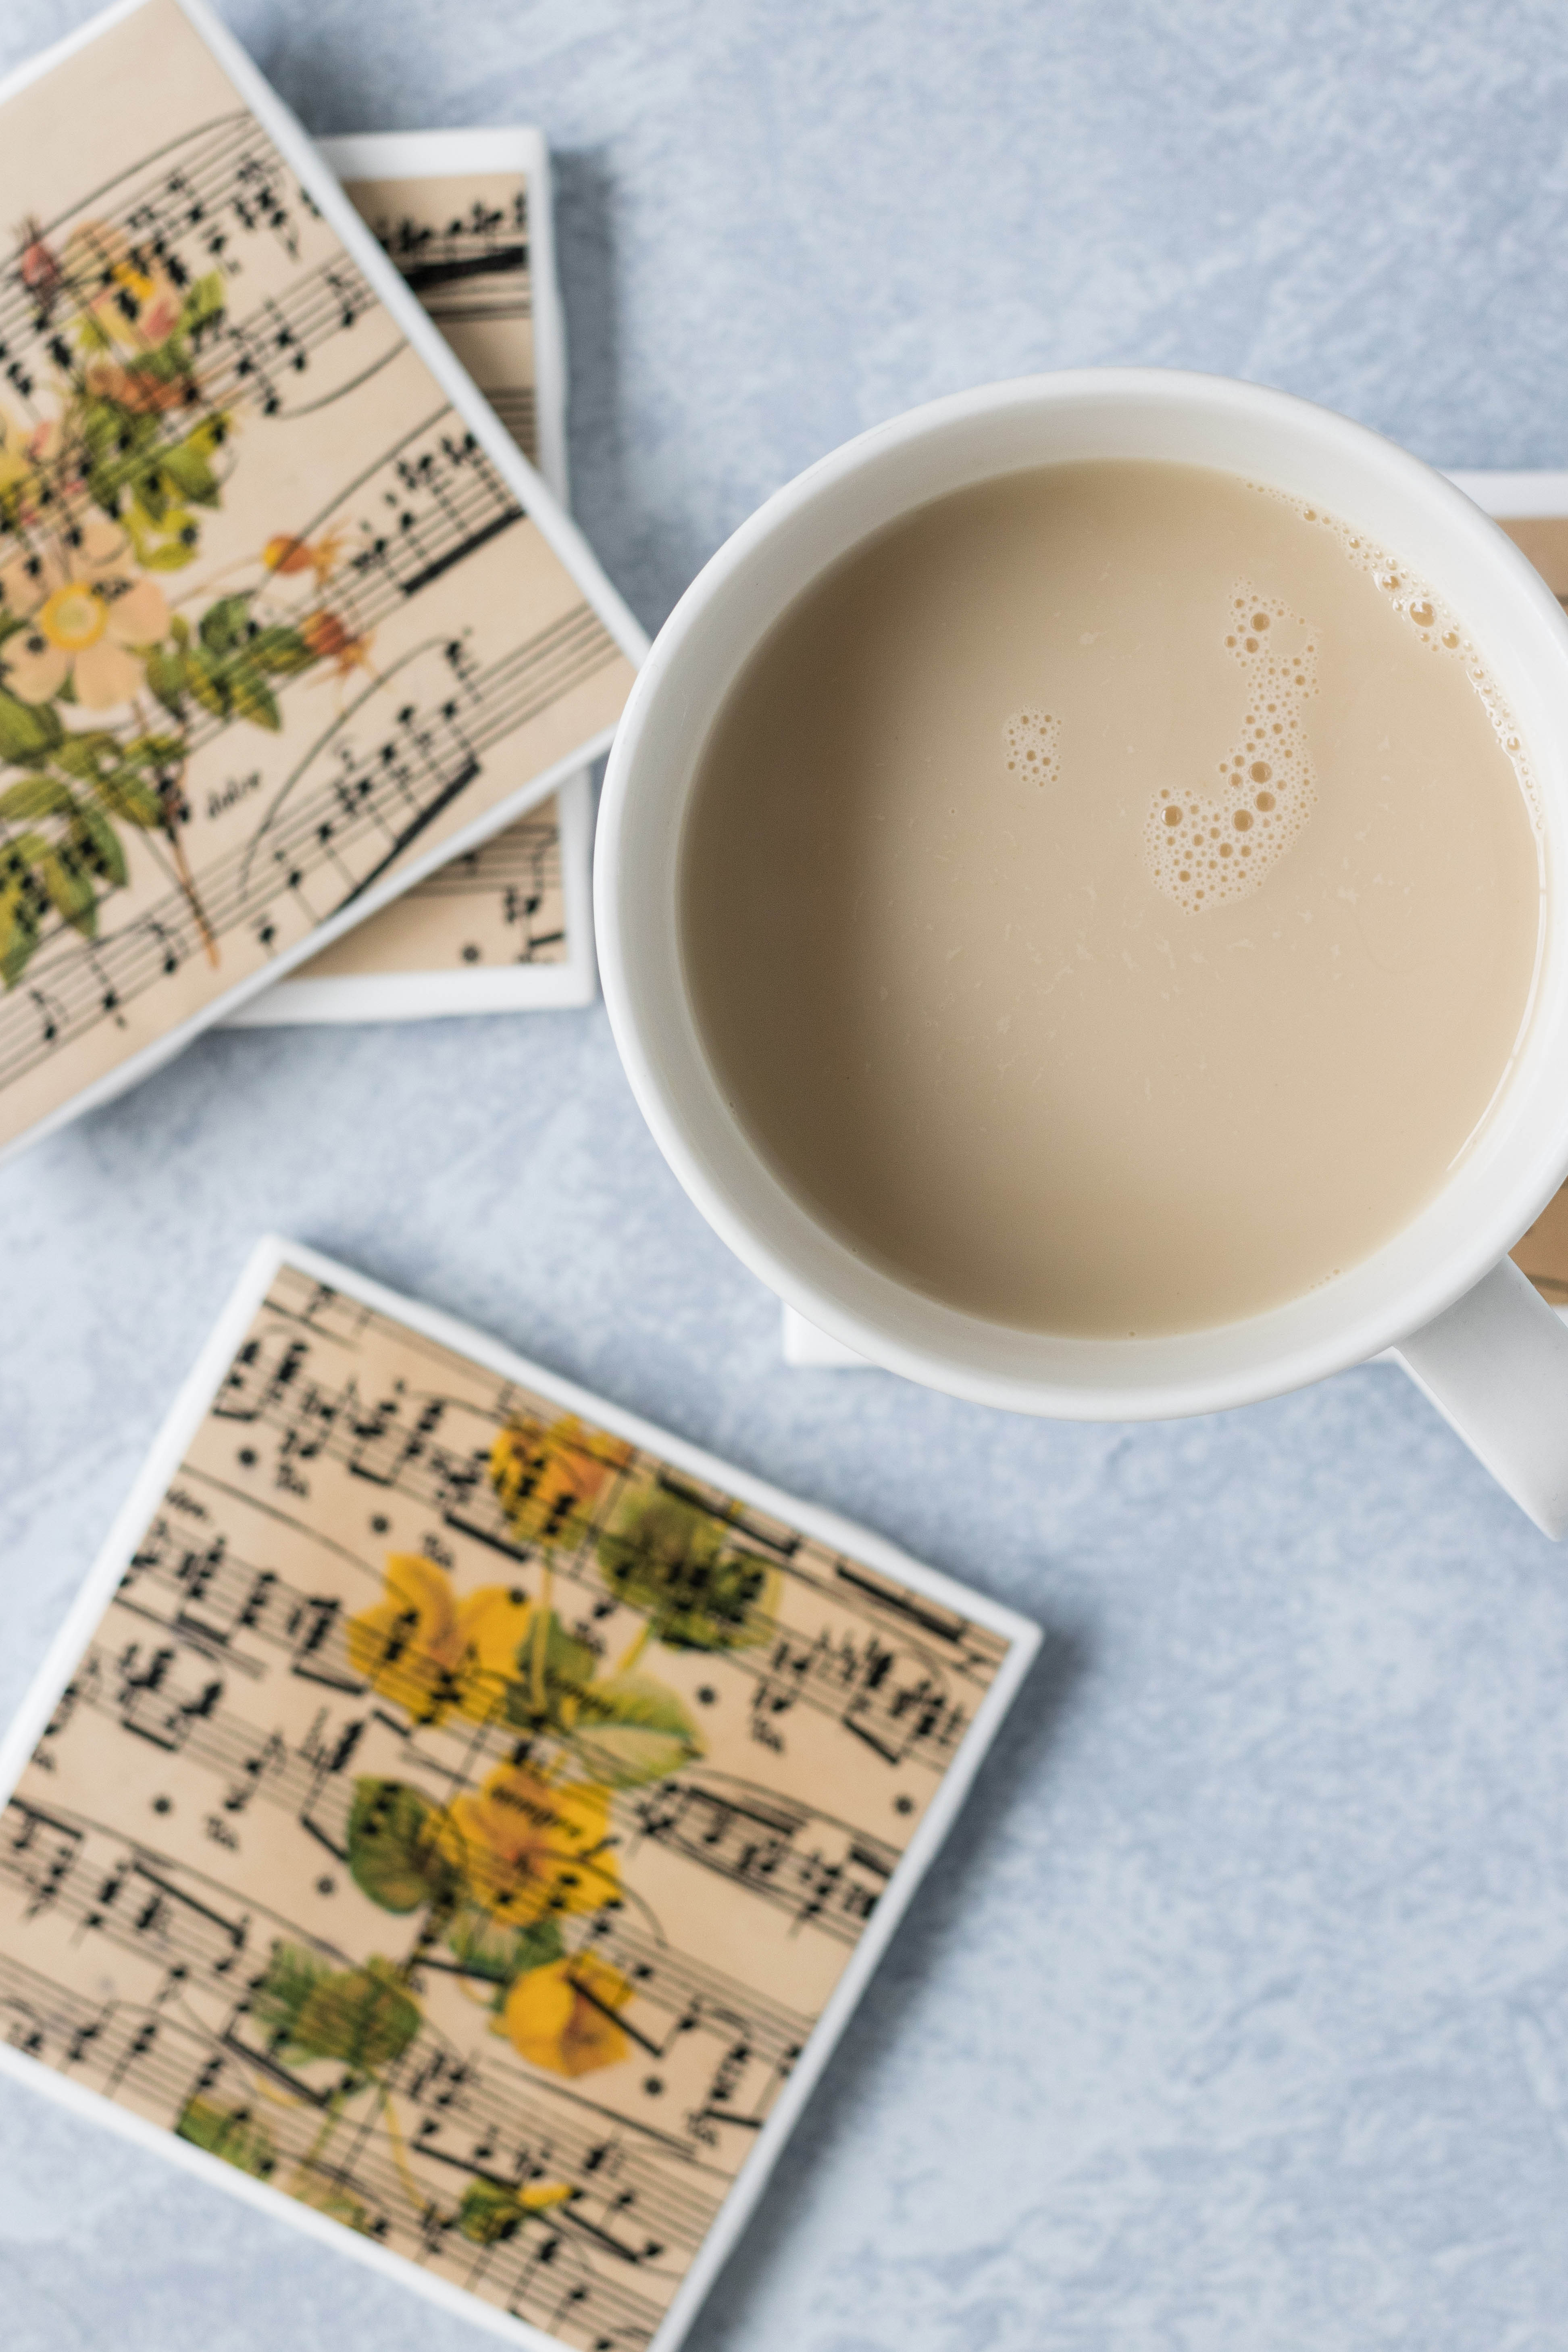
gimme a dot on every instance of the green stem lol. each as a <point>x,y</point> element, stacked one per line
<point>635,1649</point>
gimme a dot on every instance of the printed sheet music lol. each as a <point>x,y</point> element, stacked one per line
<point>460,1817</point>
<point>466,218</point>
<point>286,619</point>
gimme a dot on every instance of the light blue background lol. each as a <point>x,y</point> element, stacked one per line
<point>1237,2015</point>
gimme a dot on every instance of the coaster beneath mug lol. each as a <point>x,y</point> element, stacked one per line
<point>466,217</point>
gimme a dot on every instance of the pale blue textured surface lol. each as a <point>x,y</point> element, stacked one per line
<point>1237,2015</point>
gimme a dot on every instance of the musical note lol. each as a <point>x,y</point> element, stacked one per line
<point>463,246</point>
<point>297,1845</point>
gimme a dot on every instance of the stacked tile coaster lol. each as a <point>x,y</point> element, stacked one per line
<point>288,620</point>
<point>466,218</point>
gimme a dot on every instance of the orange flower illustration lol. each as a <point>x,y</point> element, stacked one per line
<point>531,1848</point>
<point>331,639</point>
<point>286,554</point>
<point>561,2016</point>
<point>547,1478</point>
<point>88,613</point>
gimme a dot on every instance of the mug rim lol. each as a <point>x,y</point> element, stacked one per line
<point>1100,1394</point>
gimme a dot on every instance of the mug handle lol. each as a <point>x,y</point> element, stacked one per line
<point>1495,1364</point>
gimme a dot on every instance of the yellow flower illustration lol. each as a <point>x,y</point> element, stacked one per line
<point>431,1654</point>
<point>529,1848</point>
<point>411,1646</point>
<point>495,1622</point>
<point>547,1478</point>
<point>88,613</point>
<point>561,2016</point>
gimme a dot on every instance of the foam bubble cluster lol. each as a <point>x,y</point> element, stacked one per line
<point>1436,627</point>
<point>1211,842</point>
<point>1033,739</point>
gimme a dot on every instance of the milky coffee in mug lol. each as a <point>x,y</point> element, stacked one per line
<point>1111,897</point>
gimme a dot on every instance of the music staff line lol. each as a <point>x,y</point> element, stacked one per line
<point>385,798</point>
<point>902,1718</point>
<point>174,2058</point>
<point>341,1321</point>
<point>773,1847</point>
<point>526,855</point>
<point>54,1862</point>
<point>921,1719</point>
<point>687,1993</point>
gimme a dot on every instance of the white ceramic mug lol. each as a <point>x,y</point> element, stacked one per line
<point>1490,1354</point>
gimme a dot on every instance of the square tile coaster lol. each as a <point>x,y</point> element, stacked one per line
<point>460,1818</point>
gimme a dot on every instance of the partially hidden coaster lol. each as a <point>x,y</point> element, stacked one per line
<point>466,218</point>
<point>286,620</point>
<point>460,1818</point>
<point>1533,510</point>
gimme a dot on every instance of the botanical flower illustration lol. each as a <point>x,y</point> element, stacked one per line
<point>528,1847</point>
<point>670,1558</point>
<point>548,1477</point>
<point>88,620</point>
<point>515,1875</point>
<point>411,1646</point>
<point>562,2017</point>
<point>105,678</point>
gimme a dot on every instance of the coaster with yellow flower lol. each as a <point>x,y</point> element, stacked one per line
<point>460,1818</point>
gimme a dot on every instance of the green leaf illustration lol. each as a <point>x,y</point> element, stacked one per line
<point>82,755</point>
<point>252,697</point>
<point>485,1947</point>
<point>207,679</point>
<point>364,2018</point>
<point>154,751</point>
<point>36,796</point>
<point>631,1730</point>
<point>29,731</point>
<point>282,650</point>
<point>672,1560</point>
<point>394,1853</point>
<point>97,841</point>
<point>68,879</point>
<point>231,2133</point>
<point>203,304</point>
<point>568,1667</point>
<point>165,674</point>
<point>22,904</point>
<point>124,794</point>
<point>224,624</point>
<point>189,469</point>
<point>169,555</point>
<point>490,2213</point>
